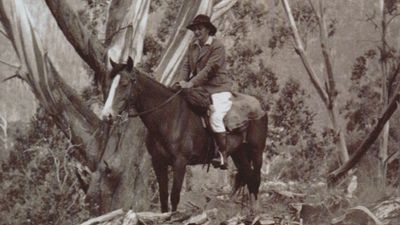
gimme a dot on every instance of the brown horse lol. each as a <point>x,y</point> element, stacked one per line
<point>176,136</point>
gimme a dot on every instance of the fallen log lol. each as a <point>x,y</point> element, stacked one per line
<point>234,220</point>
<point>388,211</point>
<point>357,215</point>
<point>130,218</point>
<point>119,217</point>
<point>153,218</point>
<point>105,217</point>
<point>202,218</point>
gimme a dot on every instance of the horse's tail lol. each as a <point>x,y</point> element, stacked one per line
<point>248,158</point>
<point>246,175</point>
<point>243,170</point>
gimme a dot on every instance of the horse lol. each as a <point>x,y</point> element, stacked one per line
<point>176,135</point>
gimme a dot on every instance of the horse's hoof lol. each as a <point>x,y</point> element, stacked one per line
<point>223,167</point>
<point>216,165</point>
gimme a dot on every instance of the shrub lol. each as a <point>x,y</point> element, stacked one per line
<point>38,182</point>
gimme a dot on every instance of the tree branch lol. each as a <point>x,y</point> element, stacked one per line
<point>392,18</point>
<point>300,51</point>
<point>370,139</point>
<point>11,77</point>
<point>9,64</point>
<point>86,45</point>
<point>105,217</point>
<point>4,34</point>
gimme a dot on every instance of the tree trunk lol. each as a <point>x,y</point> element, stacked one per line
<point>383,150</point>
<point>327,95</point>
<point>122,174</point>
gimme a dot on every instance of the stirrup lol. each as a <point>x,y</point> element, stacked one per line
<point>220,162</point>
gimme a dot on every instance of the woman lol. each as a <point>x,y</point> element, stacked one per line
<point>204,66</point>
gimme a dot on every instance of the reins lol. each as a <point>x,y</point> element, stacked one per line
<point>157,107</point>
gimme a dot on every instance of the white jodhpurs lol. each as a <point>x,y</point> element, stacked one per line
<point>221,104</point>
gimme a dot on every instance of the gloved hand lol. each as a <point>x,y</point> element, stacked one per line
<point>176,87</point>
<point>185,84</point>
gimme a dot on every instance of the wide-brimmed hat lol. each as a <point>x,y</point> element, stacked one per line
<point>203,20</point>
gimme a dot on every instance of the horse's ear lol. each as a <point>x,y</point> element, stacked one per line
<point>129,63</point>
<point>113,64</point>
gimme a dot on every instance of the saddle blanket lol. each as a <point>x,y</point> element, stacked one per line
<point>244,108</point>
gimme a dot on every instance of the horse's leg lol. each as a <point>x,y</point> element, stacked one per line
<point>161,171</point>
<point>160,167</point>
<point>179,169</point>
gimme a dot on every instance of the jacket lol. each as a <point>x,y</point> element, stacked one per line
<point>206,67</point>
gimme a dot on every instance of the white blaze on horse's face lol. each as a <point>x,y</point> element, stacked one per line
<point>108,111</point>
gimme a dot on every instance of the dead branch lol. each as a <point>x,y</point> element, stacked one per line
<point>11,77</point>
<point>368,141</point>
<point>105,217</point>
<point>300,51</point>
<point>9,64</point>
<point>392,18</point>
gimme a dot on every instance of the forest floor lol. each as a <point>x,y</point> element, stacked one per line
<point>207,199</point>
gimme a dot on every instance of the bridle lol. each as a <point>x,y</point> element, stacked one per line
<point>156,107</point>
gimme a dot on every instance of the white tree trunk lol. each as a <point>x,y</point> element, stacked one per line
<point>327,96</point>
<point>383,150</point>
<point>126,31</point>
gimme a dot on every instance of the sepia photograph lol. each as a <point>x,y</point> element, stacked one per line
<point>199,112</point>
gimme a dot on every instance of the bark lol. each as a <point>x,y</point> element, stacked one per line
<point>327,96</point>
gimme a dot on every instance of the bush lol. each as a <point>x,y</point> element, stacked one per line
<point>38,182</point>
<point>294,136</point>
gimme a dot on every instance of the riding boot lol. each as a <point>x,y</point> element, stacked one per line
<point>221,161</point>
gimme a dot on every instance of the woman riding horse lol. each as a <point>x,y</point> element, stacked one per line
<point>176,136</point>
<point>204,55</point>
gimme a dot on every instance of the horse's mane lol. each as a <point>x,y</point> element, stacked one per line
<point>150,78</point>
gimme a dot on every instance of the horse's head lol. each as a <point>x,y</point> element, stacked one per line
<point>122,92</point>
